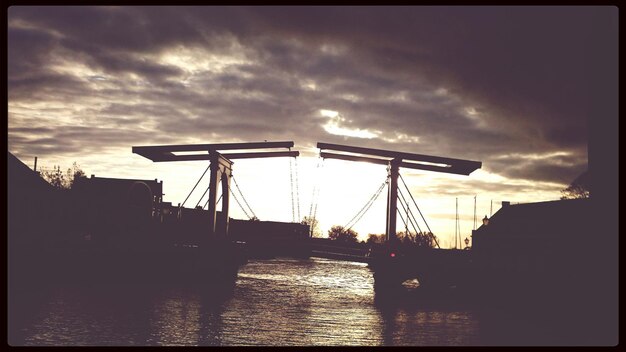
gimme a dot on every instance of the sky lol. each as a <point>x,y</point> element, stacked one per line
<point>506,86</point>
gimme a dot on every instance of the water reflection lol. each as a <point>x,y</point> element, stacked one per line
<point>176,320</point>
<point>310,302</point>
<point>273,303</point>
<point>409,318</point>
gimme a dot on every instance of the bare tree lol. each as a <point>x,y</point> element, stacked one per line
<point>579,188</point>
<point>61,180</point>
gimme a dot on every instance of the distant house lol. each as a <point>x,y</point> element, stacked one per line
<point>111,209</point>
<point>553,223</point>
<point>545,250</point>
<point>549,259</point>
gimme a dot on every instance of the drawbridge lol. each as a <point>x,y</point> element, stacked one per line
<point>392,264</point>
<point>387,266</point>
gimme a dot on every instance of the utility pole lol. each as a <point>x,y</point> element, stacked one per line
<point>456,221</point>
<point>474,212</point>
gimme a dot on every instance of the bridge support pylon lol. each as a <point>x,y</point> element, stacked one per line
<point>221,171</point>
<point>392,200</point>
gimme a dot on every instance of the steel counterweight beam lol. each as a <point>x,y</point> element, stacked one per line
<point>172,157</point>
<point>159,153</point>
<point>214,146</point>
<point>260,155</point>
<point>409,165</point>
<point>327,155</point>
<point>458,164</point>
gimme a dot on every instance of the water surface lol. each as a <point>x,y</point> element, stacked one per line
<point>278,302</point>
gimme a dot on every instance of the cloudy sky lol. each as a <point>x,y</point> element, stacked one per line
<point>505,86</point>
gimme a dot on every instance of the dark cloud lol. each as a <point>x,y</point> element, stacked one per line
<point>552,168</point>
<point>27,52</point>
<point>474,83</point>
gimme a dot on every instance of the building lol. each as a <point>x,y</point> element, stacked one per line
<point>547,261</point>
<point>32,205</point>
<point>535,238</point>
<point>115,210</point>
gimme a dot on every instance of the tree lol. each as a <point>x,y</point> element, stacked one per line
<point>425,239</point>
<point>313,223</point>
<point>340,233</point>
<point>59,180</point>
<point>74,174</point>
<point>420,239</point>
<point>579,188</point>
<point>374,238</point>
<point>56,178</point>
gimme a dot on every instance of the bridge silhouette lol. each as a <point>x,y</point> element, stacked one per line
<point>390,264</point>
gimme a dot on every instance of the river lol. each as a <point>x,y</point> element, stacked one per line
<point>276,302</point>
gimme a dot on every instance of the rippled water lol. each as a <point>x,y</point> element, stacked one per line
<point>282,302</point>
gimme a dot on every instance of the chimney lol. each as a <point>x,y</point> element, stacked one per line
<point>505,203</point>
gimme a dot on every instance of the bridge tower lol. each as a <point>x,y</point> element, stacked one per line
<point>394,160</point>
<point>221,169</point>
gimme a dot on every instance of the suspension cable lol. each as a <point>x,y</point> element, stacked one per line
<point>366,207</point>
<point>406,227</point>
<point>237,200</point>
<point>369,201</point>
<point>293,213</point>
<point>315,187</point>
<point>242,196</point>
<point>418,209</point>
<point>320,170</point>
<point>194,187</point>
<point>203,194</point>
<point>405,222</point>
<point>457,226</point>
<point>406,208</point>
<point>413,199</point>
<point>413,221</point>
<point>216,203</point>
<point>297,187</point>
<point>402,218</point>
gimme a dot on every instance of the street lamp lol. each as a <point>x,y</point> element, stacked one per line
<point>466,242</point>
<point>485,220</point>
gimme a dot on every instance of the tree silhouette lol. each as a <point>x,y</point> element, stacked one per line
<point>579,188</point>
<point>74,174</point>
<point>340,233</point>
<point>60,180</point>
<point>56,178</point>
<point>374,238</point>
<point>420,239</point>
